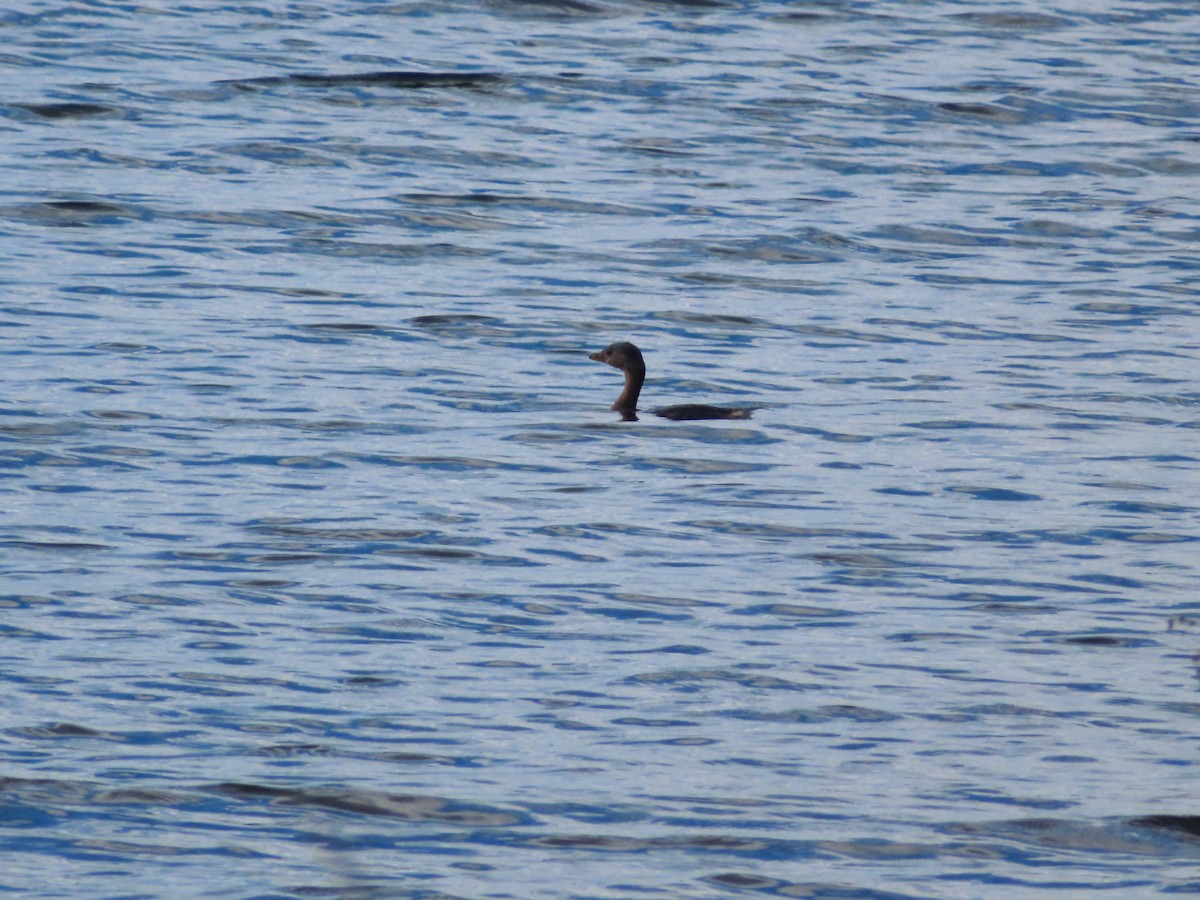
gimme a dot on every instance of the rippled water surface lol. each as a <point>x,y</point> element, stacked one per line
<point>328,571</point>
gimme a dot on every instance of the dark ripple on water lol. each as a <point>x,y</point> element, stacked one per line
<point>323,550</point>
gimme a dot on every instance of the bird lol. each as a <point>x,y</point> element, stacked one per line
<point>628,358</point>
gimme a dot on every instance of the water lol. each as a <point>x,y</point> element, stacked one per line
<point>328,572</point>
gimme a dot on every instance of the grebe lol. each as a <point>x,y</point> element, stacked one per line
<point>628,358</point>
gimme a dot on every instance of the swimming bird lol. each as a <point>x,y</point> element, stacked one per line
<point>628,358</point>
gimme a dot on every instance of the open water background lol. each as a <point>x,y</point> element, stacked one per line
<point>328,572</point>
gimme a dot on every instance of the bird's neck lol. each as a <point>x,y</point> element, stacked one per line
<point>627,402</point>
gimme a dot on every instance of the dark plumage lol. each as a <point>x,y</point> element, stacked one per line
<point>628,358</point>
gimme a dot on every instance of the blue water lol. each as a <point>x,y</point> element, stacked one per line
<point>328,571</point>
